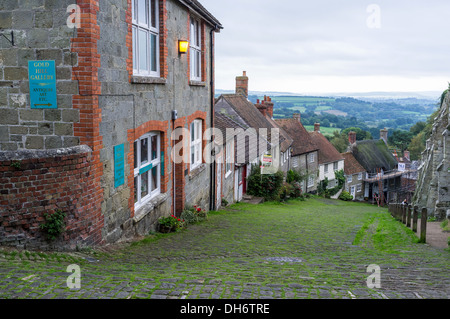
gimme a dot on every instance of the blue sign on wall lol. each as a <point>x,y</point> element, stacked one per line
<point>42,78</point>
<point>119,165</point>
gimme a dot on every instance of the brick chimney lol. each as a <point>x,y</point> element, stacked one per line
<point>384,135</point>
<point>297,116</point>
<point>242,84</point>
<point>352,137</point>
<point>269,105</point>
<point>261,106</point>
<point>317,127</point>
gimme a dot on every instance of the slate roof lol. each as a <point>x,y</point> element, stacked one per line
<point>222,121</point>
<point>351,165</point>
<point>238,108</point>
<point>288,141</point>
<point>327,152</point>
<point>302,141</point>
<point>373,154</point>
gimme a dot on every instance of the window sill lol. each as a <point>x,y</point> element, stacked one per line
<point>197,83</point>
<point>149,206</point>
<point>196,171</point>
<point>138,79</point>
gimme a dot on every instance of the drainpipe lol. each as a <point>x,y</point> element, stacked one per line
<point>212,197</point>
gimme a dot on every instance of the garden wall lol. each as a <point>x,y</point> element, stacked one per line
<point>33,183</point>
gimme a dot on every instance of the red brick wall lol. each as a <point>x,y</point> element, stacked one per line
<point>41,186</point>
<point>87,102</point>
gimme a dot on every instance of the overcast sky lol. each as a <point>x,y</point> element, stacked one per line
<point>330,46</point>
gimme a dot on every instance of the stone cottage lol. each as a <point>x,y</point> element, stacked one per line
<point>92,93</point>
<point>330,160</point>
<point>304,156</point>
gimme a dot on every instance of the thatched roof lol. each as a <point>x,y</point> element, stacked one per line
<point>373,154</point>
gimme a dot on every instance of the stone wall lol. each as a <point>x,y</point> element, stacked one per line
<point>33,183</point>
<point>40,33</point>
<point>433,185</point>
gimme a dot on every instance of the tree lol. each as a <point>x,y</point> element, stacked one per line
<point>417,128</point>
<point>339,141</point>
<point>417,146</point>
<point>400,139</point>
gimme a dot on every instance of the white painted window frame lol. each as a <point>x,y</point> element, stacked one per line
<point>156,163</point>
<point>146,27</point>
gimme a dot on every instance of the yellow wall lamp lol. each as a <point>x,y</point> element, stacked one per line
<point>183,46</point>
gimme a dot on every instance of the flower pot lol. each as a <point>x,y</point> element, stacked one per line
<point>165,229</point>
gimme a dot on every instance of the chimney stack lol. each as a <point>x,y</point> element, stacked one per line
<point>384,135</point>
<point>261,107</point>
<point>269,106</point>
<point>297,116</point>
<point>352,137</point>
<point>242,84</point>
<point>317,127</point>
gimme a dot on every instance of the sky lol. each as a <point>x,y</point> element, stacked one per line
<point>329,46</point>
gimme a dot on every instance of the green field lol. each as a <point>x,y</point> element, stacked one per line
<point>324,130</point>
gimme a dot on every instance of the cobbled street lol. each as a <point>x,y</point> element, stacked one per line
<point>301,249</point>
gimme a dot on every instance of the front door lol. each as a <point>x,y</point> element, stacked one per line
<point>244,180</point>
<point>352,191</point>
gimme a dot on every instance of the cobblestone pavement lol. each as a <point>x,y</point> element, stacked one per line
<point>303,249</point>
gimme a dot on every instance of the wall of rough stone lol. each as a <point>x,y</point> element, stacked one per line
<point>433,184</point>
<point>129,103</point>
<point>33,183</point>
<point>40,33</point>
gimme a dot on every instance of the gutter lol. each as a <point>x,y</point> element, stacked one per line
<point>212,193</point>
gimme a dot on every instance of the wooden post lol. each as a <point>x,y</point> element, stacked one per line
<point>408,218</point>
<point>415,217</point>
<point>423,226</point>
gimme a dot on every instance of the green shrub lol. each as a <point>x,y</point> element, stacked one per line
<point>296,190</point>
<point>224,202</point>
<point>346,196</point>
<point>193,215</point>
<point>264,185</point>
<point>170,224</point>
<point>54,224</point>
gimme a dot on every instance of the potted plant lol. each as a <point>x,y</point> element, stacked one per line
<point>170,224</point>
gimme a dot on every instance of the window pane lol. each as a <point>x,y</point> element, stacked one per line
<point>154,52</point>
<point>135,189</point>
<point>192,154</point>
<point>154,147</point>
<point>199,153</point>
<point>155,178</point>
<point>142,11</point>
<point>153,13</point>
<point>143,50</point>
<point>192,132</point>
<point>197,24</point>
<point>134,49</point>
<point>144,185</point>
<point>144,151</point>
<point>135,155</point>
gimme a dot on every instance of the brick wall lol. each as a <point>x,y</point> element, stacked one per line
<point>32,184</point>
